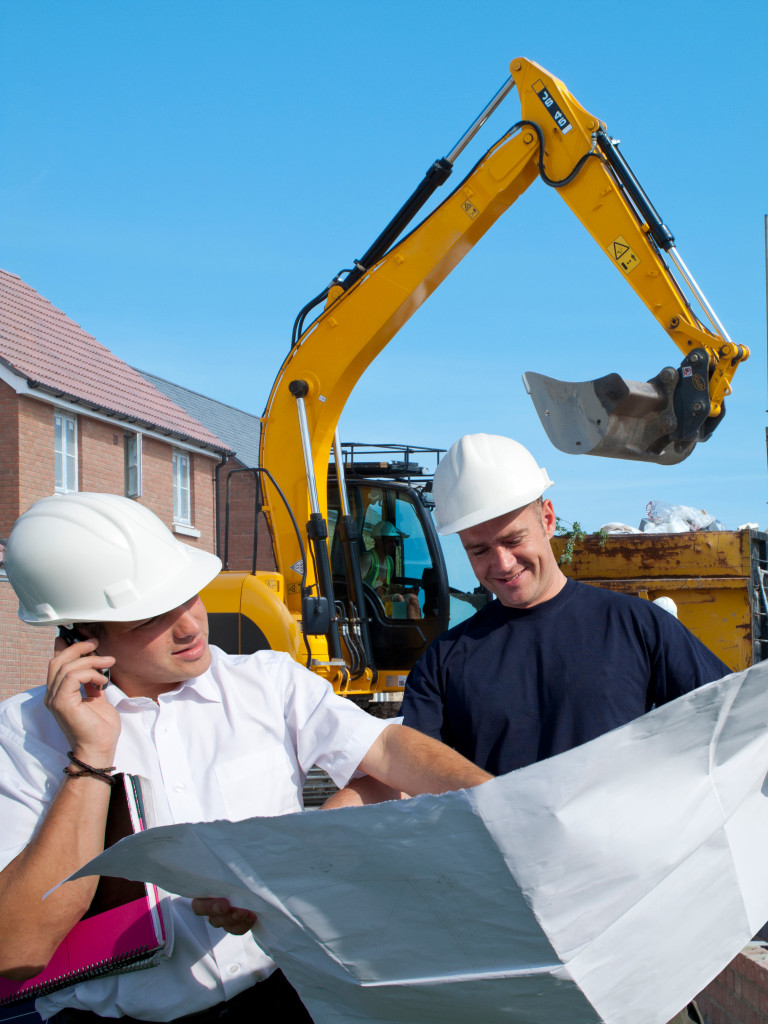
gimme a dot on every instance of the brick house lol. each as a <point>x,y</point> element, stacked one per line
<point>241,431</point>
<point>74,417</point>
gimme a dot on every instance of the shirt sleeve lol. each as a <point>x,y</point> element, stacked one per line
<point>29,780</point>
<point>423,700</point>
<point>329,731</point>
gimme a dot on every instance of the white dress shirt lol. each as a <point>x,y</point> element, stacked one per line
<point>234,743</point>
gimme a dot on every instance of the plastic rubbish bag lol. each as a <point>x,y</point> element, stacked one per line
<point>661,517</point>
<point>612,528</point>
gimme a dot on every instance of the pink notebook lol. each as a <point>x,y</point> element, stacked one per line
<point>124,929</point>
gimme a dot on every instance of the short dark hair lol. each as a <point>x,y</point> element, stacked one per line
<point>95,630</point>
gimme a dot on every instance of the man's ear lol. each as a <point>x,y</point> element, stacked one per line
<point>548,518</point>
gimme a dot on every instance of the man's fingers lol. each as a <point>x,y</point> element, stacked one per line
<point>65,686</point>
<point>77,665</point>
<point>204,907</point>
<point>220,914</point>
<point>94,687</point>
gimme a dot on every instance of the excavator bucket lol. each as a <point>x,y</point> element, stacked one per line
<point>658,421</point>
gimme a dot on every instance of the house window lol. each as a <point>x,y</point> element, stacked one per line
<point>65,448</point>
<point>182,510</point>
<point>132,449</point>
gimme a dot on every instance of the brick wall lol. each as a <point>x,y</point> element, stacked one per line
<point>242,497</point>
<point>157,477</point>
<point>37,470</point>
<point>738,995</point>
<point>9,461</point>
<point>101,456</point>
<point>203,471</point>
<point>24,650</point>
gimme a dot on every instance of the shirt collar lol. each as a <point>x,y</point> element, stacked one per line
<point>202,688</point>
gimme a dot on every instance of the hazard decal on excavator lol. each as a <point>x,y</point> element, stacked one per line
<point>546,98</point>
<point>470,209</point>
<point>623,253</point>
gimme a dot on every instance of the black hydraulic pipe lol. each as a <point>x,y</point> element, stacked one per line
<point>438,173</point>
<point>660,233</point>
<point>317,534</point>
<point>349,536</point>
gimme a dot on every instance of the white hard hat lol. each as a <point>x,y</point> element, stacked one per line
<point>483,476</point>
<point>667,604</point>
<point>87,557</point>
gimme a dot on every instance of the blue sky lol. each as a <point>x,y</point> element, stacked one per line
<point>180,176</point>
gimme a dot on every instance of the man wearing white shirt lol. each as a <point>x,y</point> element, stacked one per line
<point>218,736</point>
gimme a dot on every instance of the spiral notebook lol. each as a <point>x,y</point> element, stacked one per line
<point>128,924</point>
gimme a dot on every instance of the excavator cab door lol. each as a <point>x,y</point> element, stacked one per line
<point>404,576</point>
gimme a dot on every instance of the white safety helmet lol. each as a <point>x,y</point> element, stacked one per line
<point>483,476</point>
<point>667,604</point>
<point>87,557</point>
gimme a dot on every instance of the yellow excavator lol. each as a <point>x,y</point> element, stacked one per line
<point>360,584</point>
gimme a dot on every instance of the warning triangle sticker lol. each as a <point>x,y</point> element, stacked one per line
<point>619,250</point>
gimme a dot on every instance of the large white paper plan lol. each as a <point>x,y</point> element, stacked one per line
<point>612,882</point>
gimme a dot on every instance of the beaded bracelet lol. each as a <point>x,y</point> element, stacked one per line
<point>87,769</point>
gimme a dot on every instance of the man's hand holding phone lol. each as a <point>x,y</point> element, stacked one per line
<point>75,697</point>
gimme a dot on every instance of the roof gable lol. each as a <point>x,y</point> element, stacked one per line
<point>40,343</point>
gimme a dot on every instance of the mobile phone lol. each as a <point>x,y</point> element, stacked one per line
<point>71,636</point>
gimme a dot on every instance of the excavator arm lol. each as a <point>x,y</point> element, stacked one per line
<point>560,142</point>
<point>663,419</point>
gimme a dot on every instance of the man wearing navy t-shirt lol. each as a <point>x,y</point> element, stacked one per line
<point>552,663</point>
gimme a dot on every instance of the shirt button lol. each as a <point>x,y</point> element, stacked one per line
<point>234,968</point>
<point>180,788</point>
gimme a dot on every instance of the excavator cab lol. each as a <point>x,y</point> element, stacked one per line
<point>404,580</point>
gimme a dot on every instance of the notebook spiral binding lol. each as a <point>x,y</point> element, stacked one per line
<point>100,969</point>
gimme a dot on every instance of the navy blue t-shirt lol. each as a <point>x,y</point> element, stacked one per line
<point>512,686</point>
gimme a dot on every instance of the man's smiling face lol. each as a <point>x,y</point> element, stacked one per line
<point>512,557</point>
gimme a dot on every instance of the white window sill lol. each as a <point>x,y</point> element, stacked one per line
<point>184,530</point>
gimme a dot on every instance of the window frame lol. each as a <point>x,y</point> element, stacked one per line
<point>132,444</point>
<point>66,461</point>
<point>182,487</point>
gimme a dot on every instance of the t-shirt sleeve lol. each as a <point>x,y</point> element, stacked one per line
<point>682,663</point>
<point>423,701</point>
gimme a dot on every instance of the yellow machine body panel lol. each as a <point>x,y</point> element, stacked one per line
<point>259,599</point>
